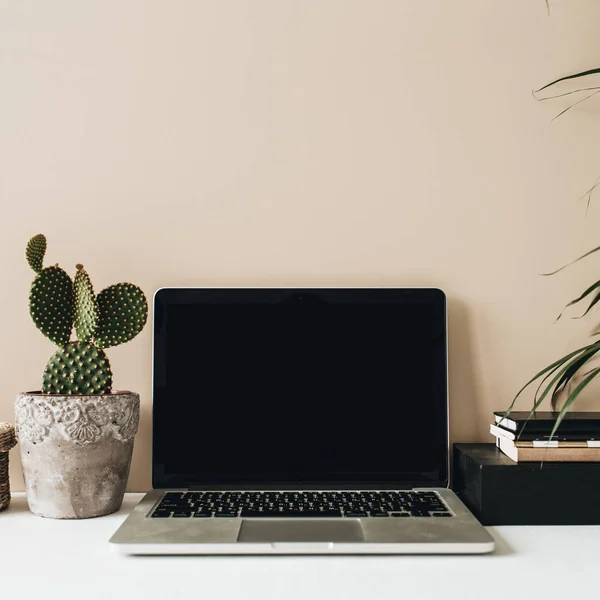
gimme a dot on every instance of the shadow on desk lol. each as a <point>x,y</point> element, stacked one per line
<point>502,547</point>
<point>17,505</point>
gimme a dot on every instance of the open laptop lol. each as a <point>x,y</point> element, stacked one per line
<point>300,421</point>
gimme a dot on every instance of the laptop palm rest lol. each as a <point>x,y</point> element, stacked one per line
<point>301,530</point>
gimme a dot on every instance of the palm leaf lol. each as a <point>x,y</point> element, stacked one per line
<point>538,401</point>
<point>575,76</point>
<point>592,304</point>
<point>573,396</point>
<point>573,366</point>
<point>550,368</point>
<point>543,381</point>
<point>570,365</point>
<point>581,360</point>
<point>584,295</point>
<point>589,193</point>
<point>569,93</point>
<point>577,364</point>
<point>572,262</point>
<point>562,112</point>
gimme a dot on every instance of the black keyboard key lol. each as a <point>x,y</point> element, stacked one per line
<point>173,496</point>
<point>400,514</point>
<point>301,504</point>
<point>441,514</point>
<point>319,514</point>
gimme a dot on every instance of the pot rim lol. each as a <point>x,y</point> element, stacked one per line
<point>112,393</point>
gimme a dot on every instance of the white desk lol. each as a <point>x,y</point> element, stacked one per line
<point>43,559</point>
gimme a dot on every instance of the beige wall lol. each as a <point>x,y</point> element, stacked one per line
<point>302,142</point>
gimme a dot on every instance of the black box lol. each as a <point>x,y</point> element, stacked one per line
<point>501,492</point>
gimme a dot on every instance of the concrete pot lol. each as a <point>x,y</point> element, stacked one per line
<point>76,451</point>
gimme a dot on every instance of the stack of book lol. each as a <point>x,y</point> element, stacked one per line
<point>528,440</point>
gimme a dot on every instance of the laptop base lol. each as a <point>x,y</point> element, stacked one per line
<point>460,534</point>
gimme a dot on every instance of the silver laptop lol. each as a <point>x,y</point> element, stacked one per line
<point>300,421</point>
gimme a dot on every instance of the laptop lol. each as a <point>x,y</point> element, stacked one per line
<point>300,421</point>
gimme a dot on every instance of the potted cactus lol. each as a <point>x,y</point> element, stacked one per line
<point>76,434</point>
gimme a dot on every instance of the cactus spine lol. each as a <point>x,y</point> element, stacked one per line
<point>57,304</point>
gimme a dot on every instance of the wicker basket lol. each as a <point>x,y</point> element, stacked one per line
<point>7,441</point>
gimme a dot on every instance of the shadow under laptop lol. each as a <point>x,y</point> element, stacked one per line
<point>503,548</point>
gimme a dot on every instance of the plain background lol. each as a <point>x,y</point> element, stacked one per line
<point>303,142</point>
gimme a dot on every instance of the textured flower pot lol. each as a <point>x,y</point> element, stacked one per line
<point>76,451</point>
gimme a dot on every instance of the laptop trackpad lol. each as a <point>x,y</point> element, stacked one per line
<point>301,530</point>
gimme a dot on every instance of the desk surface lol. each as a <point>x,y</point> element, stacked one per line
<point>44,558</point>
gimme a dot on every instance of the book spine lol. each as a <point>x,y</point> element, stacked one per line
<point>548,454</point>
<point>549,443</point>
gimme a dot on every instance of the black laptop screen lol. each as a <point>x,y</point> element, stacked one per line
<point>308,386</point>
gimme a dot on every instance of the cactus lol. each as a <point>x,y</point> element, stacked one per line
<point>57,304</point>
<point>123,314</point>
<point>86,306</point>
<point>77,368</point>
<point>51,304</point>
<point>35,252</point>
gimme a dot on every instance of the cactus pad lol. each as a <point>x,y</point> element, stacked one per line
<point>51,304</point>
<point>86,307</point>
<point>35,252</point>
<point>123,312</point>
<point>77,368</point>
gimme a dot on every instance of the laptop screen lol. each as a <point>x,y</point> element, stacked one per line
<point>330,387</point>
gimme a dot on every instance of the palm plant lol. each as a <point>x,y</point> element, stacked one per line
<point>571,374</point>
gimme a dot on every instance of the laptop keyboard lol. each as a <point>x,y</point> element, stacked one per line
<point>204,505</point>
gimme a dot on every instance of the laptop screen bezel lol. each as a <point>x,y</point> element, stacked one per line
<point>165,297</point>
